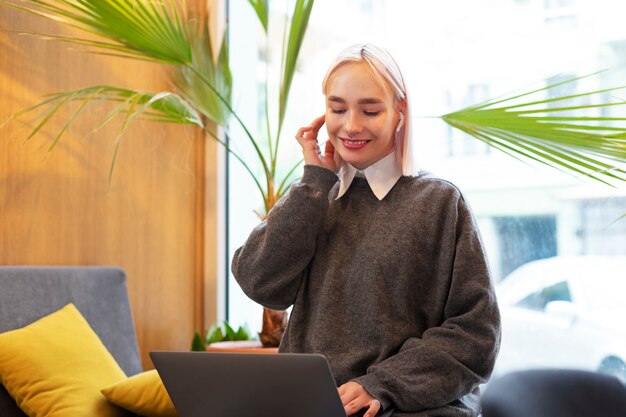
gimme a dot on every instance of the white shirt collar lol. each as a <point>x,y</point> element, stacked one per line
<point>381,176</point>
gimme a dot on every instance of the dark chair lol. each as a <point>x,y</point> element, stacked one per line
<point>99,293</point>
<point>554,393</point>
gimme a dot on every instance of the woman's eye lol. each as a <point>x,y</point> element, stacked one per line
<point>338,111</point>
<point>371,113</point>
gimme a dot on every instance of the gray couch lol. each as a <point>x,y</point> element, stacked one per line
<point>99,293</point>
<point>555,393</point>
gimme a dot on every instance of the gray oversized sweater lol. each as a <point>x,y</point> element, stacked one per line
<point>395,293</point>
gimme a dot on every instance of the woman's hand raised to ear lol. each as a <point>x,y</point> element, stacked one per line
<point>307,138</point>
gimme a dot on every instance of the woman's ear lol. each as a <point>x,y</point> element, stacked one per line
<point>400,122</point>
<point>401,109</point>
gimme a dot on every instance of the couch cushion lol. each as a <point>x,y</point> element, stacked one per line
<point>143,394</point>
<point>29,293</point>
<point>56,367</point>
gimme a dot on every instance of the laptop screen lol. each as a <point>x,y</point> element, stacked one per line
<point>216,384</point>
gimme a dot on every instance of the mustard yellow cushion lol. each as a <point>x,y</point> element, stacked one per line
<point>56,366</point>
<point>143,394</point>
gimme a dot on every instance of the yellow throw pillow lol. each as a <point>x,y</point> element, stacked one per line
<point>143,394</point>
<point>56,366</point>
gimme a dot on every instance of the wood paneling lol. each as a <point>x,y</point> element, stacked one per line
<point>59,208</point>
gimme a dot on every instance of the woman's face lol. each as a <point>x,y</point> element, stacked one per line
<point>361,117</point>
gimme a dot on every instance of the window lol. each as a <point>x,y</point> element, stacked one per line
<point>561,15</point>
<point>524,239</point>
<point>461,144</point>
<point>455,54</point>
<point>601,231</point>
<point>540,299</point>
<point>565,89</point>
<point>554,4</point>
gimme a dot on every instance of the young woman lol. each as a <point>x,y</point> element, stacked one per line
<point>385,270</point>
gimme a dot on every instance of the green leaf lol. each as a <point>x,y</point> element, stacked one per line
<point>225,332</point>
<point>162,31</point>
<point>207,83</point>
<point>214,334</point>
<point>242,334</point>
<point>545,131</point>
<point>214,136</point>
<point>299,23</point>
<point>131,104</point>
<point>230,333</point>
<point>261,7</point>
<point>144,29</point>
<point>163,106</point>
<point>197,344</point>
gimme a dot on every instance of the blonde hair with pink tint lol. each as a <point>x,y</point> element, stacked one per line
<point>386,71</point>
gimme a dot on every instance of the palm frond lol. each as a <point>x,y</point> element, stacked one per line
<point>206,83</point>
<point>547,131</point>
<point>299,24</point>
<point>261,7</point>
<point>209,84</point>
<point>162,107</point>
<point>291,51</point>
<point>242,161</point>
<point>161,31</point>
<point>145,29</point>
<point>129,104</point>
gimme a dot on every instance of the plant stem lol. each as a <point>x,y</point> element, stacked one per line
<point>243,126</point>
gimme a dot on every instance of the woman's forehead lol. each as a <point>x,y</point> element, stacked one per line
<point>355,81</point>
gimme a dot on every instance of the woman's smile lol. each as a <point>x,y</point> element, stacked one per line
<point>354,144</point>
<point>361,116</point>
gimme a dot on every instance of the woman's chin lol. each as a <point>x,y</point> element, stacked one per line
<point>358,163</point>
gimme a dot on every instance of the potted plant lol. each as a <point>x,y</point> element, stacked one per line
<point>220,338</point>
<point>166,33</point>
<point>217,334</point>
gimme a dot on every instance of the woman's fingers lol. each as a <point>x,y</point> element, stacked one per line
<point>354,398</point>
<point>372,409</point>
<point>318,122</point>
<point>302,134</point>
<point>347,393</point>
<point>329,150</point>
<point>307,138</point>
<point>310,132</point>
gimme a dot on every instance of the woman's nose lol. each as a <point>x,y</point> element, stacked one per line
<point>352,124</point>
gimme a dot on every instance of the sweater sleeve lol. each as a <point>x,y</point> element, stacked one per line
<point>270,264</point>
<point>451,359</point>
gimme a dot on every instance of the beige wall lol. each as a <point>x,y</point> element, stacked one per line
<point>58,208</point>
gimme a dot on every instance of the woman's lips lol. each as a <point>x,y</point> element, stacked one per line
<point>354,143</point>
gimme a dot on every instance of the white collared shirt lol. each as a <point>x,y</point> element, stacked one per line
<point>381,176</point>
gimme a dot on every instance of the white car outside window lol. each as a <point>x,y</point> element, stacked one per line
<point>565,312</point>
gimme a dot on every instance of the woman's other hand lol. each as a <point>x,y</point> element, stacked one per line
<point>313,155</point>
<point>354,398</point>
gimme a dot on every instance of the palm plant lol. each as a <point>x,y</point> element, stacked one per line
<point>555,131</point>
<point>164,32</point>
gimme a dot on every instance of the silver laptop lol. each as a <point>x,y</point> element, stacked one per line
<point>215,384</point>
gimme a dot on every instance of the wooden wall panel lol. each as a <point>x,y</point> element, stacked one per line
<point>58,208</point>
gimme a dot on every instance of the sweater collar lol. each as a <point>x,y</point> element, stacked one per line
<point>381,176</point>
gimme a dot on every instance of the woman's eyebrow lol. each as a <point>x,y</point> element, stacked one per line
<point>336,99</point>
